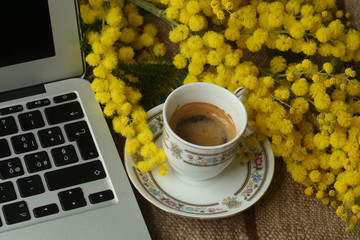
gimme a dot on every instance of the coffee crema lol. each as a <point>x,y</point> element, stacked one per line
<point>202,124</point>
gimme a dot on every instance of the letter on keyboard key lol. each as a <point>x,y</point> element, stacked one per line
<point>51,137</point>
<point>79,131</point>
<point>11,109</point>
<point>16,212</point>
<point>37,161</point>
<point>29,186</point>
<point>65,97</point>
<point>8,126</point>
<point>45,210</point>
<point>11,168</point>
<point>74,175</point>
<point>31,120</point>
<point>24,143</point>
<point>101,196</point>
<point>71,199</point>
<point>38,103</point>
<point>64,155</point>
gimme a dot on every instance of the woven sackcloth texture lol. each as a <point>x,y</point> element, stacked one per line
<point>284,212</point>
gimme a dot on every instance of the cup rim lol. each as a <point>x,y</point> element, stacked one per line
<point>236,138</point>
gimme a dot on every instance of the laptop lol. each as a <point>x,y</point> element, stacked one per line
<point>61,176</point>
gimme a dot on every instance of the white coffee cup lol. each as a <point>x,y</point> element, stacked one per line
<point>197,162</point>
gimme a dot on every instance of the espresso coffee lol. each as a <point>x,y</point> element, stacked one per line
<point>202,124</point>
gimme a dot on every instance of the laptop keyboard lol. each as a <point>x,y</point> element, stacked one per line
<point>49,162</point>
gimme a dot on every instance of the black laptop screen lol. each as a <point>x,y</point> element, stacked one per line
<point>26,33</point>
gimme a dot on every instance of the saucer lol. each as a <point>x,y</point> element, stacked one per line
<point>234,190</point>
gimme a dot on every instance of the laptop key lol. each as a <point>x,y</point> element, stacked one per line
<point>31,120</point>
<point>64,155</point>
<point>38,103</point>
<point>37,161</point>
<point>7,192</point>
<point>101,196</point>
<point>45,210</point>
<point>4,148</point>
<point>12,109</point>
<point>64,113</point>
<point>65,97</point>
<point>11,168</point>
<point>16,212</point>
<point>7,126</point>
<point>51,137</point>
<point>74,175</point>
<point>79,132</point>
<point>71,199</point>
<point>24,143</point>
<point>30,186</point>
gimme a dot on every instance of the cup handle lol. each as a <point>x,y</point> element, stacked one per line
<point>241,93</point>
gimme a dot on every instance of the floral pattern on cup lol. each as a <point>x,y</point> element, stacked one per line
<point>176,150</point>
<point>209,161</point>
<point>200,160</point>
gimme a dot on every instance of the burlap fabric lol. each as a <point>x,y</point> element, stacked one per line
<point>284,212</point>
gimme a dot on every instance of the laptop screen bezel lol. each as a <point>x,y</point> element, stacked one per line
<point>68,60</point>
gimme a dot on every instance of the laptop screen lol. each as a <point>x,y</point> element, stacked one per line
<point>39,43</point>
<point>31,34</point>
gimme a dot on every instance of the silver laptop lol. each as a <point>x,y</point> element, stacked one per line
<point>61,176</point>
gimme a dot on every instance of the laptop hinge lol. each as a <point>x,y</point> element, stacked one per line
<point>23,92</point>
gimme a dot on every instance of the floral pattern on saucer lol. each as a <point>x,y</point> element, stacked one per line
<point>156,123</point>
<point>231,202</point>
<point>252,152</point>
<point>151,186</point>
